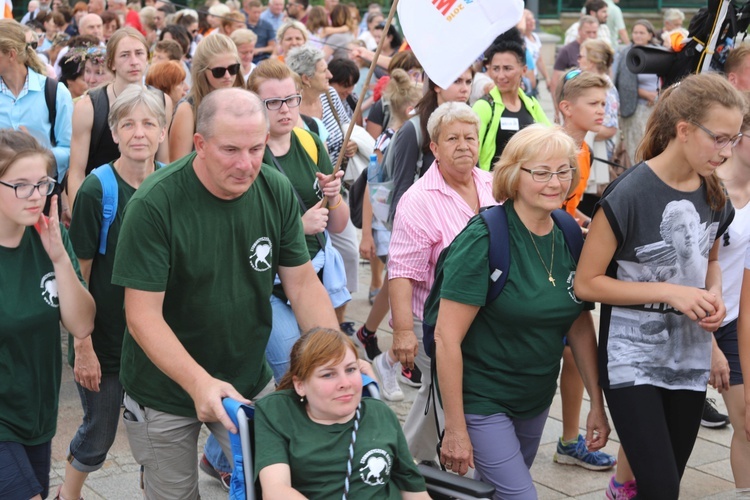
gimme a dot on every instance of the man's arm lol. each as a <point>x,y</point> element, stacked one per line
<point>143,312</point>
<point>310,302</point>
<point>83,120</point>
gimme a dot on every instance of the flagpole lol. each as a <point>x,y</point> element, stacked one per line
<point>358,108</point>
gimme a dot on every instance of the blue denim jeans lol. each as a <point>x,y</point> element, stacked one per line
<point>215,455</point>
<point>101,413</point>
<point>24,470</point>
<point>284,333</point>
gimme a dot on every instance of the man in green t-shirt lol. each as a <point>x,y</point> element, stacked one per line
<point>200,244</point>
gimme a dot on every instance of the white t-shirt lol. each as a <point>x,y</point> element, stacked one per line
<point>734,257</point>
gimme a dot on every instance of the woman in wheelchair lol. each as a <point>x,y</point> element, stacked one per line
<point>317,437</point>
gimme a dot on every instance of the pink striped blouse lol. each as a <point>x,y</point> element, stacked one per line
<point>429,215</point>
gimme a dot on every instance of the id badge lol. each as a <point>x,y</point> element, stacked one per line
<point>509,124</point>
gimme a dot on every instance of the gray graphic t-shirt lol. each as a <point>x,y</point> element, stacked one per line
<point>663,235</point>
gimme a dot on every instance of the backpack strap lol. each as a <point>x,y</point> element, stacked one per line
<point>415,120</point>
<point>106,176</point>
<point>491,101</point>
<point>307,141</point>
<point>571,232</point>
<point>311,124</point>
<point>100,103</point>
<point>50,98</point>
<point>496,220</point>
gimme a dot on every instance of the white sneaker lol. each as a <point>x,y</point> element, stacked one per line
<point>387,375</point>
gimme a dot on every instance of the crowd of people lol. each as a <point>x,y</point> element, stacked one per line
<point>177,190</point>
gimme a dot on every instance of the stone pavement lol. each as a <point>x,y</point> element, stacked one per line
<point>708,475</point>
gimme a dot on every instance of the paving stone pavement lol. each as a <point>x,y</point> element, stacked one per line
<point>708,475</point>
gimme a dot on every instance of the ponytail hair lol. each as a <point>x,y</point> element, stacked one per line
<point>13,37</point>
<point>689,101</point>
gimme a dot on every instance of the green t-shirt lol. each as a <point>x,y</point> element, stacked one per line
<point>317,454</point>
<point>512,350</point>
<point>86,224</point>
<point>300,171</point>
<point>215,261</point>
<point>30,352</point>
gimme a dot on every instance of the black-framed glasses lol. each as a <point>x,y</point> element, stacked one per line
<point>275,103</point>
<point>219,71</point>
<point>33,45</point>
<point>568,76</point>
<point>720,142</point>
<point>24,190</point>
<point>546,175</point>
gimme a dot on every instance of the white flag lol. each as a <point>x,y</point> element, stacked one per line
<point>448,35</point>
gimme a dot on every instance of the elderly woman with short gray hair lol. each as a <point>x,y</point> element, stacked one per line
<point>429,215</point>
<point>138,124</point>
<point>321,101</point>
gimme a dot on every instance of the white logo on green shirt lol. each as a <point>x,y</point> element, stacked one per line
<point>49,290</point>
<point>571,279</point>
<point>375,467</point>
<point>260,256</point>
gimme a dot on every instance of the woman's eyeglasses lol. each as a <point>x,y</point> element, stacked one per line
<point>33,45</point>
<point>24,191</point>
<point>275,103</point>
<point>546,175</point>
<point>720,142</point>
<point>219,72</point>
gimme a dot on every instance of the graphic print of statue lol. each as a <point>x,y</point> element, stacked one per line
<point>660,341</point>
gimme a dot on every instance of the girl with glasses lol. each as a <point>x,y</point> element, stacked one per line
<point>651,258</point>
<point>216,65</point>
<point>41,286</point>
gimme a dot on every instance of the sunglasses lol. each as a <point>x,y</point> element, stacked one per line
<point>33,45</point>
<point>568,76</point>
<point>219,72</point>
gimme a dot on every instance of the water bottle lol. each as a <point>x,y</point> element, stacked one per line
<point>373,170</point>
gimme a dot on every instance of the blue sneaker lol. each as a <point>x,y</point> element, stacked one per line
<point>578,454</point>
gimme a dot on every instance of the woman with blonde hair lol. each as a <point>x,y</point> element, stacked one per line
<point>245,41</point>
<point>216,65</point>
<point>478,343</point>
<point>317,428</point>
<point>291,34</point>
<point>22,69</point>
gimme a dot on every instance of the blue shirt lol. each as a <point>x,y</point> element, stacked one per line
<point>265,34</point>
<point>274,21</point>
<point>29,109</point>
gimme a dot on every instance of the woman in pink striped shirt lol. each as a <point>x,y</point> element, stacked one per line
<point>429,215</point>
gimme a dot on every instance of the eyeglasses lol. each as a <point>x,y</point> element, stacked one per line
<point>219,72</point>
<point>24,191</point>
<point>720,142</point>
<point>33,45</point>
<point>546,175</point>
<point>417,75</point>
<point>275,103</point>
<point>568,76</point>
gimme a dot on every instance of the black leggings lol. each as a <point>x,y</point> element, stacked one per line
<point>657,428</point>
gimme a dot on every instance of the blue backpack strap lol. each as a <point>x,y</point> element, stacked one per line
<point>571,231</point>
<point>106,176</point>
<point>499,251</point>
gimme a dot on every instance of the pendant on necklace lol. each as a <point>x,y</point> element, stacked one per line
<point>552,280</point>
